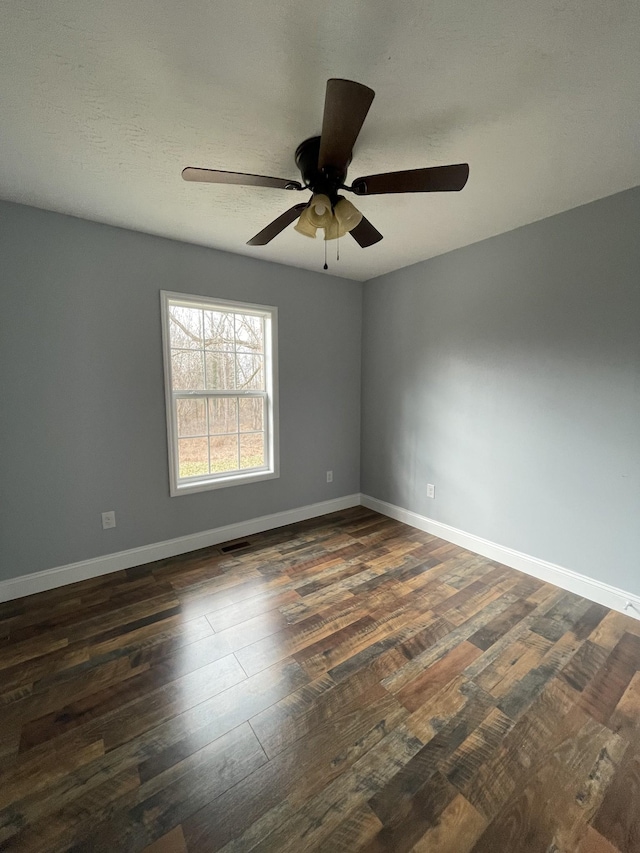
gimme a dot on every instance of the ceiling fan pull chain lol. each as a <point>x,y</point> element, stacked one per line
<point>325,255</point>
<point>338,249</point>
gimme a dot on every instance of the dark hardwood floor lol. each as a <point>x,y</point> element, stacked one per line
<point>344,684</point>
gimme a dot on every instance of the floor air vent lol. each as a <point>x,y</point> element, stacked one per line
<point>235,546</point>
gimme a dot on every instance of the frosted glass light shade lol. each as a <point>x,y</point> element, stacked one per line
<point>304,225</point>
<point>332,231</point>
<point>347,215</point>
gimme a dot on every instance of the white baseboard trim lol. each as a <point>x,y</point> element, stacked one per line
<point>594,590</point>
<point>63,575</point>
<point>603,593</point>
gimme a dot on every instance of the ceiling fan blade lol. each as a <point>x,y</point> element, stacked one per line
<point>274,228</point>
<point>346,106</point>
<point>437,179</point>
<point>215,176</point>
<point>365,234</point>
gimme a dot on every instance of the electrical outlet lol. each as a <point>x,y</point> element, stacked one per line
<point>329,476</point>
<point>431,490</point>
<point>108,520</point>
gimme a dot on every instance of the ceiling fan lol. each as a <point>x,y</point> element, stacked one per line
<point>323,162</point>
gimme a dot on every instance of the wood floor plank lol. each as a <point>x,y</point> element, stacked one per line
<point>434,713</point>
<point>601,695</point>
<point>480,745</point>
<point>584,665</point>
<point>625,720</point>
<point>25,776</point>
<point>515,702</point>
<point>456,831</point>
<point>562,617</point>
<point>529,821</point>
<point>30,672</point>
<point>488,634</point>
<point>294,776</point>
<point>40,829</point>
<point>610,629</point>
<point>102,610</point>
<point>262,654</point>
<point>297,715</point>
<point>236,614</point>
<point>36,647</point>
<point>507,670</point>
<point>420,812</point>
<point>347,683</point>
<point>593,842</point>
<point>224,711</point>
<point>42,701</point>
<point>291,831</point>
<point>171,633</point>
<point>128,709</point>
<point>158,749</point>
<point>165,801</point>
<point>393,650</point>
<point>347,651</point>
<point>354,833</point>
<point>395,797</point>
<point>552,719</point>
<point>172,842</point>
<point>618,818</point>
<point>9,741</point>
<point>417,665</point>
<point>438,675</point>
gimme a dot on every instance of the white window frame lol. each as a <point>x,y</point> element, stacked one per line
<point>271,469</point>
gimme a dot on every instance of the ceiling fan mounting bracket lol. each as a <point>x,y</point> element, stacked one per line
<point>326,181</point>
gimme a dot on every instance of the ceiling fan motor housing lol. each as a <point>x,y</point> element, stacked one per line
<point>326,181</point>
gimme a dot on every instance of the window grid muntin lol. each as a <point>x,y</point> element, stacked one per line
<point>259,353</point>
<point>260,395</point>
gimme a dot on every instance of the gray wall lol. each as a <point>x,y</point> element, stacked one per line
<point>82,413</point>
<point>507,373</point>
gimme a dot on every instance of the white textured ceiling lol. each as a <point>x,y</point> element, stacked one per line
<point>103,103</point>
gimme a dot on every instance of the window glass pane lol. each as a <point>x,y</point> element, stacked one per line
<point>187,370</point>
<point>185,327</point>
<point>251,414</point>
<point>192,417</point>
<point>193,457</point>
<point>218,330</point>
<point>249,333</point>
<point>250,371</point>
<point>220,371</point>
<point>224,453</point>
<point>223,415</point>
<point>251,450</point>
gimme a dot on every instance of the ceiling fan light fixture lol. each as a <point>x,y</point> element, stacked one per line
<point>304,224</point>
<point>323,162</point>
<point>347,215</point>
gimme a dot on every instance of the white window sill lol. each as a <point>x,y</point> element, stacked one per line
<point>222,482</point>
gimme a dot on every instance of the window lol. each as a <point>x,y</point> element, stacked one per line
<point>220,385</point>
